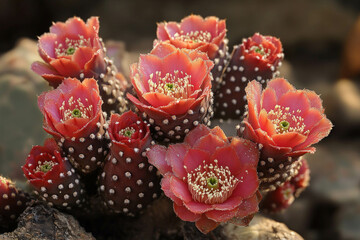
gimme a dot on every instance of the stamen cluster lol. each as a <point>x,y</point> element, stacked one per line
<point>211,184</point>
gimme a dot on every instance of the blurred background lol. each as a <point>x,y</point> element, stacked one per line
<point>321,40</point>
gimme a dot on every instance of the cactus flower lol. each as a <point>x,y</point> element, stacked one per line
<point>52,176</point>
<point>72,114</point>
<point>71,49</point>
<point>210,178</point>
<point>173,87</point>
<point>285,122</point>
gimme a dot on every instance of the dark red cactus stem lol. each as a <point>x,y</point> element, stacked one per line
<point>12,203</point>
<point>113,87</point>
<point>244,66</point>
<point>274,172</point>
<point>173,129</point>
<point>128,183</point>
<point>220,61</point>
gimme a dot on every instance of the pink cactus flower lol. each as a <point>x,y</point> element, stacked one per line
<point>210,178</point>
<point>173,87</point>
<point>194,32</point>
<point>73,115</point>
<point>286,121</point>
<point>71,49</point>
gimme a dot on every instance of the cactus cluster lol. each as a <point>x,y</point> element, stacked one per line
<point>102,152</point>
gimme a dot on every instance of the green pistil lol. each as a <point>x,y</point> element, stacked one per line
<point>169,86</point>
<point>127,132</point>
<point>76,113</point>
<point>70,51</point>
<point>45,167</point>
<point>284,125</point>
<point>259,50</point>
<point>213,182</point>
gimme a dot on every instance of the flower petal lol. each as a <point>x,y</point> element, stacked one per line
<point>66,67</point>
<point>156,157</point>
<point>206,225</point>
<point>289,139</point>
<point>195,134</point>
<point>197,207</point>
<point>248,183</point>
<point>194,158</point>
<point>296,100</point>
<point>221,216</point>
<point>253,95</point>
<point>265,123</point>
<point>165,186</point>
<point>175,156</point>
<point>280,86</point>
<point>321,130</point>
<point>246,151</point>
<point>209,143</point>
<point>184,214</point>
<point>180,189</point>
<point>227,157</point>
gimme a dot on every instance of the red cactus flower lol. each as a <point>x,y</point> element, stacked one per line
<point>128,183</point>
<point>52,176</point>
<point>210,179</point>
<point>286,122</point>
<point>72,114</point>
<point>281,198</point>
<point>173,87</point>
<point>203,34</point>
<point>12,203</point>
<point>258,57</point>
<point>71,49</point>
<point>194,32</point>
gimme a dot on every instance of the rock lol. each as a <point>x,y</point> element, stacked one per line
<point>20,121</point>
<point>260,228</point>
<point>41,222</point>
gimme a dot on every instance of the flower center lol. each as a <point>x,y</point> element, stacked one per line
<point>76,113</point>
<point>75,109</point>
<point>71,45</point>
<point>45,166</point>
<point>285,120</point>
<point>127,132</point>
<point>70,51</point>
<point>177,84</point>
<point>193,36</point>
<point>261,50</point>
<point>211,184</point>
<point>284,125</point>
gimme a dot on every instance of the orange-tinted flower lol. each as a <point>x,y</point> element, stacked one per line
<point>71,49</point>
